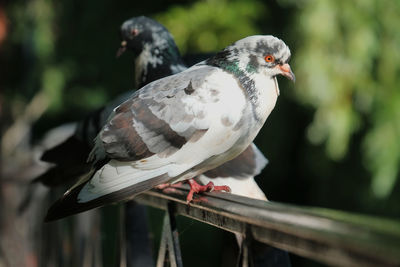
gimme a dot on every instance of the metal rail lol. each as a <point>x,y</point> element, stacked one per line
<point>328,236</point>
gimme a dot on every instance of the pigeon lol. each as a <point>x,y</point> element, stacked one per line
<point>154,48</point>
<point>183,125</point>
<point>156,56</point>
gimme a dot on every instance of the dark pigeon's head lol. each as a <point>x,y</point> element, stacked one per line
<point>139,32</point>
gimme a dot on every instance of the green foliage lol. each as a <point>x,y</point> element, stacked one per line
<point>348,68</point>
<point>208,26</point>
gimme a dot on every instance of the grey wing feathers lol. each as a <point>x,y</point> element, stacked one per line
<point>155,120</point>
<point>249,163</point>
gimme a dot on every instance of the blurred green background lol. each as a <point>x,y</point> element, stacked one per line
<point>333,139</point>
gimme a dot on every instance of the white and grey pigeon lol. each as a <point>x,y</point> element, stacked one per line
<point>156,56</point>
<point>156,59</point>
<point>183,125</point>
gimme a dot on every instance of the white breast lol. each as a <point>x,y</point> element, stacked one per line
<point>267,93</point>
<point>219,137</point>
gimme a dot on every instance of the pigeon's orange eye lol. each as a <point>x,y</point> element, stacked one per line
<point>134,32</point>
<point>269,58</point>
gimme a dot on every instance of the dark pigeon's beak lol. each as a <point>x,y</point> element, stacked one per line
<point>121,49</point>
<point>287,71</point>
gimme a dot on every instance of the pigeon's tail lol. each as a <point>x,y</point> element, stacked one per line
<point>62,174</point>
<point>70,159</point>
<point>55,176</point>
<point>72,149</point>
<point>109,188</point>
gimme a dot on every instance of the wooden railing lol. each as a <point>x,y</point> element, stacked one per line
<point>328,236</point>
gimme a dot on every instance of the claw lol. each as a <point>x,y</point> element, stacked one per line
<point>222,188</point>
<point>196,188</point>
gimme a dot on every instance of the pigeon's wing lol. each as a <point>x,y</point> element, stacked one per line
<point>239,173</point>
<point>168,130</point>
<point>157,120</point>
<point>249,163</point>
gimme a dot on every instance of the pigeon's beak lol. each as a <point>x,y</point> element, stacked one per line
<point>287,71</point>
<point>122,48</point>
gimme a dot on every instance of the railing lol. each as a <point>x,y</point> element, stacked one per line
<point>328,236</point>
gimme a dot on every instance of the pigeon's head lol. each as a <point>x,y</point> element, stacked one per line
<point>263,54</point>
<point>138,33</point>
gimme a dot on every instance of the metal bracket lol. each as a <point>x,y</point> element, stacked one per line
<point>170,240</point>
<point>244,242</point>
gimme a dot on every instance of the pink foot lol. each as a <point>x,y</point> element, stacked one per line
<point>196,188</point>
